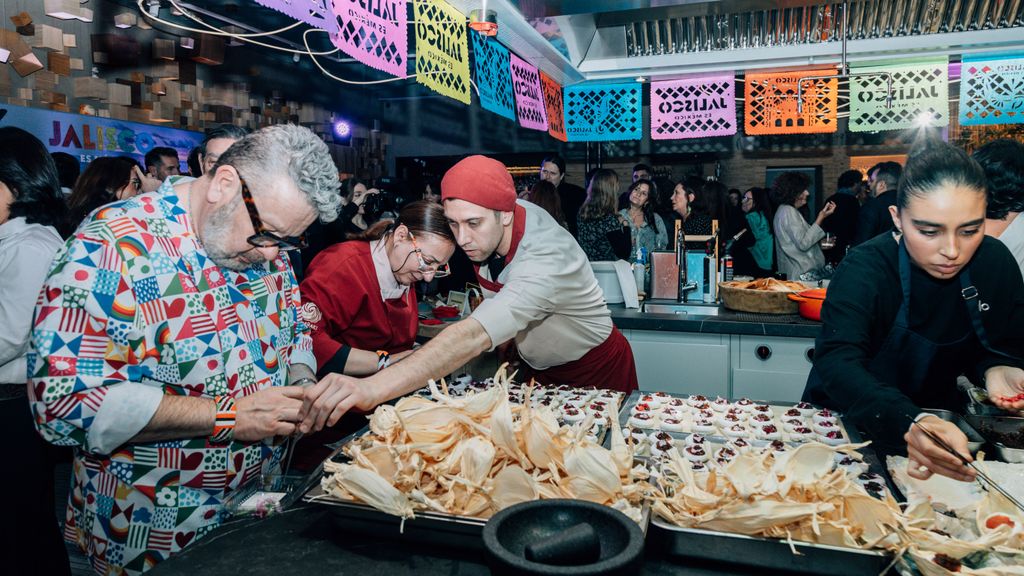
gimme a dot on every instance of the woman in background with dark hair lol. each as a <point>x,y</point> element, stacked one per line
<point>545,195</point>
<point>646,228</point>
<point>603,232</point>
<point>694,223</point>
<point>356,295</point>
<point>714,197</point>
<point>32,211</point>
<point>796,242</point>
<point>432,190</point>
<point>754,253</point>
<point>195,167</point>
<point>107,179</point>
<point>1003,163</point>
<point>905,317</point>
<point>68,171</point>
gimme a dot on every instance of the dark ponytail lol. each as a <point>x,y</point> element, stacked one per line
<point>420,217</point>
<point>934,164</point>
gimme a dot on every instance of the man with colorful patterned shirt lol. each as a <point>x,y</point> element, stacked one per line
<point>166,343</point>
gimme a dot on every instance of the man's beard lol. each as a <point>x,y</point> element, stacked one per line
<point>218,228</point>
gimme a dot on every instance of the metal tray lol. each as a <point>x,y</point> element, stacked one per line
<point>974,440</point>
<point>994,429</point>
<point>768,554</point>
<point>627,407</point>
<point>427,527</point>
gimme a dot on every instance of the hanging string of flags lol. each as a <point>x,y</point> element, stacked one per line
<point>886,95</point>
<point>992,89</point>
<point>442,59</point>
<point>693,107</point>
<point>899,95</point>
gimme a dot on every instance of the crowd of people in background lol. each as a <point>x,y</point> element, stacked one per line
<point>50,208</point>
<point>768,231</point>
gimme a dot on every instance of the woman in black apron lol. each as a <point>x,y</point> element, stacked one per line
<point>907,314</point>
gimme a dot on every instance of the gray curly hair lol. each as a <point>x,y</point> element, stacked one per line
<point>295,151</point>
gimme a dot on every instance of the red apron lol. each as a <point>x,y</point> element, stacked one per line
<point>609,365</point>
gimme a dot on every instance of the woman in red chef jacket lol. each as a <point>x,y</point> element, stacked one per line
<point>357,296</point>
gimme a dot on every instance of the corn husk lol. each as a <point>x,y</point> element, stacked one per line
<point>513,485</point>
<point>474,455</point>
<point>543,443</point>
<point>371,488</point>
<point>593,474</point>
<point>384,422</point>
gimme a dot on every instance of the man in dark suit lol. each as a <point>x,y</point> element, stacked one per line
<point>843,222</point>
<point>552,169</point>
<point>874,214</point>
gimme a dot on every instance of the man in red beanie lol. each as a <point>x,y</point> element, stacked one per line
<point>540,292</point>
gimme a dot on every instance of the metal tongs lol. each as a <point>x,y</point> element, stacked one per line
<point>981,475</point>
<point>289,451</point>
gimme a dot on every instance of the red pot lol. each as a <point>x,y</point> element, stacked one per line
<point>810,303</point>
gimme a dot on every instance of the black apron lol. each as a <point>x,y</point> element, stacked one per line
<point>924,370</point>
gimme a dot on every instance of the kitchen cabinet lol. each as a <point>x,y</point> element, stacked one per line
<point>681,362</point>
<point>770,368</point>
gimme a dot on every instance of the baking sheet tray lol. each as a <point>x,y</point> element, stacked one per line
<point>427,527</point>
<point>777,407</point>
<point>767,554</point>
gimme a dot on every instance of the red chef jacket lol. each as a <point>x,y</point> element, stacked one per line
<point>343,304</point>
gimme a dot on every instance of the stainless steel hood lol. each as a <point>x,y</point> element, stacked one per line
<point>576,40</point>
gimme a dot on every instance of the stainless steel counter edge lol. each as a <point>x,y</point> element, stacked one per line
<point>726,322</point>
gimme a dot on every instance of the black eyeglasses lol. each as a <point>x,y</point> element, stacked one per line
<point>262,238</point>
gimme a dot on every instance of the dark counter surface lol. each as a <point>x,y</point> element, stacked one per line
<point>726,322</point>
<point>307,540</point>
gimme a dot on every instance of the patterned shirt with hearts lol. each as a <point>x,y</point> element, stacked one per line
<point>133,309</point>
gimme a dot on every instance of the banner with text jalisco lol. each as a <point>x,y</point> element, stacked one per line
<point>316,13</point>
<point>373,32</point>
<point>790,102</point>
<point>89,137</point>
<point>604,112</point>
<point>918,87</point>
<point>693,107</point>
<point>492,68</point>
<point>530,109</point>
<point>555,109</point>
<point>992,89</point>
<point>442,50</point>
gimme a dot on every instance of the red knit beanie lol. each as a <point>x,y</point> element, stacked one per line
<point>482,181</point>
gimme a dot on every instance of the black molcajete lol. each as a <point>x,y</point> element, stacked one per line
<point>511,531</point>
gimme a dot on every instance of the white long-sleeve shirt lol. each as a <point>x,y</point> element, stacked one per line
<point>551,303</point>
<point>26,252</point>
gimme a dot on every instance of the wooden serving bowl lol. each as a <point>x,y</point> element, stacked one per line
<point>757,301</point>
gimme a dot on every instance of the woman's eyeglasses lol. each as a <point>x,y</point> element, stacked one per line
<point>439,270</point>
<point>262,238</point>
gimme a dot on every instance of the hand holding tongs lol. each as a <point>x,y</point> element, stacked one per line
<point>296,436</point>
<point>981,475</point>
